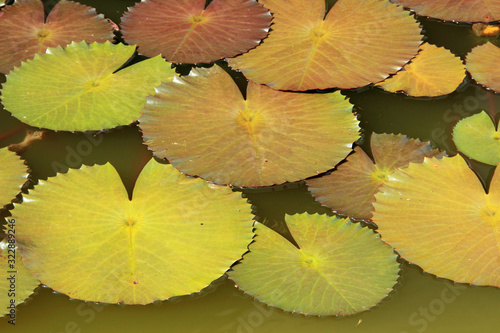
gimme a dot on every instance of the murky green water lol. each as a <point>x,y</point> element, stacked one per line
<point>419,303</point>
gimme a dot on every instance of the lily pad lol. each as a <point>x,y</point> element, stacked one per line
<point>78,88</point>
<point>452,10</point>
<point>477,137</point>
<point>184,31</point>
<point>16,281</point>
<point>306,50</point>
<point>25,31</point>
<point>437,215</point>
<point>13,174</point>
<point>339,267</point>
<point>435,71</point>
<point>174,237</point>
<point>205,127</point>
<point>482,64</point>
<point>350,190</point>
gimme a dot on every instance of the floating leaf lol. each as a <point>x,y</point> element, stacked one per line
<point>25,31</point>
<point>351,188</point>
<point>482,64</point>
<point>339,268</point>
<point>174,237</point>
<point>12,176</point>
<point>184,31</point>
<point>433,72</point>
<point>77,89</point>
<point>437,215</point>
<point>452,10</point>
<point>476,137</point>
<point>16,281</point>
<point>306,51</point>
<point>202,124</point>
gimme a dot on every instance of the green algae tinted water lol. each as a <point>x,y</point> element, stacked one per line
<point>420,302</point>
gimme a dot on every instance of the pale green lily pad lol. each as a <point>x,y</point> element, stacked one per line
<point>76,88</point>
<point>174,237</point>
<point>13,272</point>
<point>476,137</point>
<point>13,175</point>
<point>339,268</point>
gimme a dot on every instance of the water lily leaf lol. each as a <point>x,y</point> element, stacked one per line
<point>25,31</point>
<point>339,267</point>
<point>437,215</point>
<point>306,50</point>
<point>350,190</point>
<point>451,10</point>
<point>13,272</point>
<point>433,72</point>
<point>476,137</point>
<point>184,31</point>
<point>77,89</point>
<point>482,64</point>
<point>205,127</point>
<point>12,176</point>
<point>170,239</point>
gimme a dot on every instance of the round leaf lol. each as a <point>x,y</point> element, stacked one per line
<point>350,190</point>
<point>12,176</point>
<point>77,89</point>
<point>306,50</point>
<point>452,10</point>
<point>16,281</point>
<point>184,31</point>
<point>202,124</point>
<point>25,31</point>
<point>476,137</point>
<point>338,269</point>
<point>482,64</point>
<point>433,72</point>
<point>174,237</point>
<point>437,215</point>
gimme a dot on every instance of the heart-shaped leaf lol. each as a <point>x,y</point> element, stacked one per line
<point>78,88</point>
<point>184,31</point>
<point>339,268</point>
<point>170,239</point>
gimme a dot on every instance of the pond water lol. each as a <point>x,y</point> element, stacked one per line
<point>420,302</point>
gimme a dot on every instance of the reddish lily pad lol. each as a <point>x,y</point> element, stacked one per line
<point>352,46</point>
<point>482,63</point>
<point>452,10</point>
<point>25,31</point>
<point>437,215</point>
<point>184,31</point>
<point>433,72</point>
<point>202,124</point>
<point>350,190</point>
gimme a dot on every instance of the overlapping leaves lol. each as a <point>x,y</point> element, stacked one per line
<point>112,249</point>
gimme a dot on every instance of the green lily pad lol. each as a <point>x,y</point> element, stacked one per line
<point>12,175</point>
<point>78,88</point>
<point>13,272</point>
<point>476,137</point>
<point>339,267</point>
<point>437,215</point>
<point>174,237</point>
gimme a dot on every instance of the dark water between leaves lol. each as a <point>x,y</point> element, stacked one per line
<point>420,302</point>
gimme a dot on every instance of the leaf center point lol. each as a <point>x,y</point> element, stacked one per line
<point>249,120</point>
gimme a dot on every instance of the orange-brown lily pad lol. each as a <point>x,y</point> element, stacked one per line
<point>202,124</point>
<point>437,215</point>
<point>354,45</point>
<point>433,72</point>
<point>452,10</point>
<point>482,63</point>
<point>350,190</point>
<point>184,31</point>
<point>25,31</point>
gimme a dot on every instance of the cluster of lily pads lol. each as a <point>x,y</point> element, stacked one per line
<point>170,238</point>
